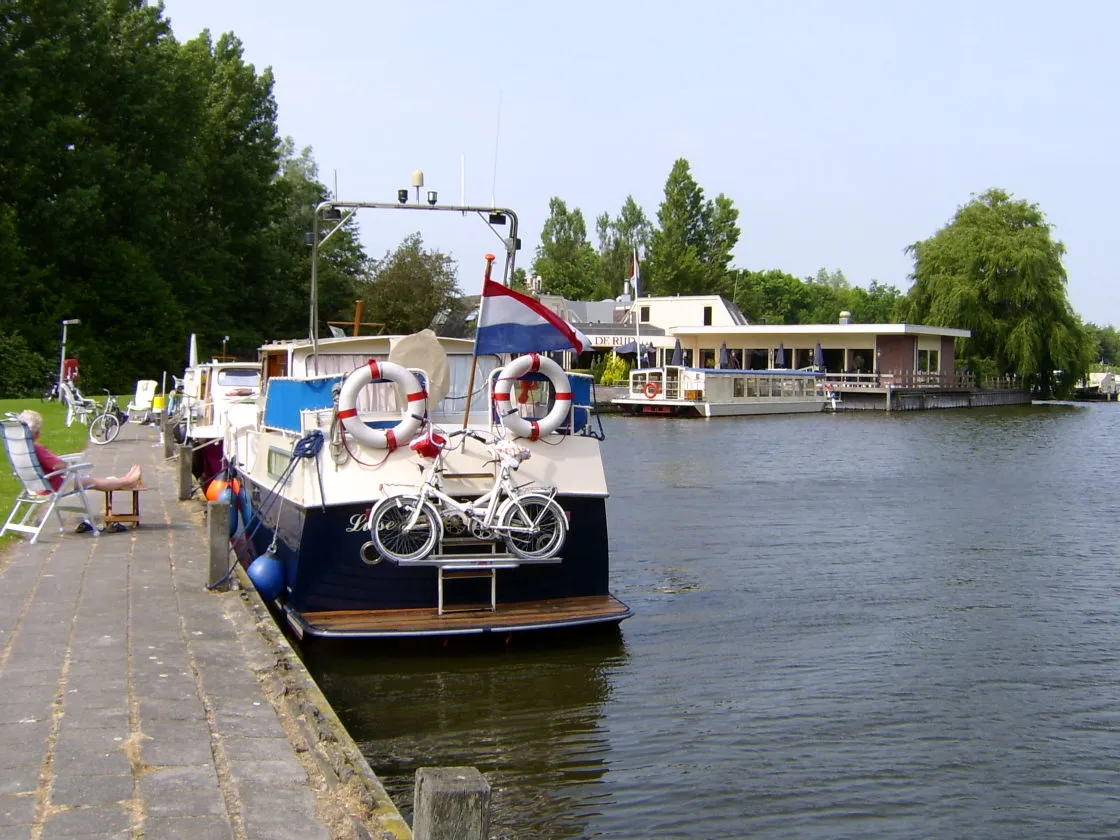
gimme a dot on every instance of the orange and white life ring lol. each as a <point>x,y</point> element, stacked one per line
<point>412,416</point>
<point>511,373</point>
<point>651,389</point>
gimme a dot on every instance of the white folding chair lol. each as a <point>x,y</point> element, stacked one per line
<point>37,499</point>
<point>140,409</point>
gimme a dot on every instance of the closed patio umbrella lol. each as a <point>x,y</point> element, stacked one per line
<point>723,355</point>
<point>780,356</point>
<point>676,353</point>
<point>818,356</point>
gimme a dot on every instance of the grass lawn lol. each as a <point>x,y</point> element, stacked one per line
<point>55,436</point>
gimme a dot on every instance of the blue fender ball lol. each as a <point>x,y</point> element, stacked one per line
<point>267,575</point>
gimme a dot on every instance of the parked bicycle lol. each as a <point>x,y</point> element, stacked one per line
<point>79,409</point>
<point>407,527</point>
<point>50,389</point>
<point>106,425</point>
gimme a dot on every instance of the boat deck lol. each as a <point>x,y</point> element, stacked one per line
<point>506,618</point>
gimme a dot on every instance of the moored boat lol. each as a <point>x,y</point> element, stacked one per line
<point>679,391</point>
<point>348,425</point>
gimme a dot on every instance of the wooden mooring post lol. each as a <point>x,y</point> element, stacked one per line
<point>217,534</point>
<point>186,477</point>
<point>450,803</point>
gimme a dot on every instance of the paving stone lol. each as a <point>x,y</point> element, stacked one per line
<point>267,773</point>
<point>187,828</point>
<point>109,823</point>
<point>21,779</point>
<point>17,810</point>
<point>83,789</point>
<point>182,792</point>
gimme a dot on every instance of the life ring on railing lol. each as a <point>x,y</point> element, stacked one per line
<point>507,412</point>
<point>651,389</point>
<point>412,417</point>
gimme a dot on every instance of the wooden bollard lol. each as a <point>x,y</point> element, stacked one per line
<point>450,803</point>
<point>217,532</point>
<point>186,477</point>
<point>167,432</point>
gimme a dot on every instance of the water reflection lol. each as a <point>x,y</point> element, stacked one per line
<point>846,625</point>
<point>528,715</point>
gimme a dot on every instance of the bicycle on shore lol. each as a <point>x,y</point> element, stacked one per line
<point>51,390</point>
<point>407,527</point>
<point>79,409</point>
<point>106,424</point>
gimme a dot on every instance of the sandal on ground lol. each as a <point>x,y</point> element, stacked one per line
<point>117,527</point>
<point>84,527</point>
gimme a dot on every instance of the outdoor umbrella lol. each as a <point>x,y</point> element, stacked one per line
<point>627,348</point>
<point>780,356</point>
<point>677,353</point>
<point>723,355</point>
<point>818,356</point>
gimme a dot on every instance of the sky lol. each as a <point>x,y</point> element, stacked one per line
<point>842,131</point>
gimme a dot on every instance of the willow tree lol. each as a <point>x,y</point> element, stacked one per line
<point>996,270</point>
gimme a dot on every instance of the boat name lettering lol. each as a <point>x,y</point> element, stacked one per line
<point>359,521</point>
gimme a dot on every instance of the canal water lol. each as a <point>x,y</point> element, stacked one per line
<point>846,625</point>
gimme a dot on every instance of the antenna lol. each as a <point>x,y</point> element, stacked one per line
<point>497,133</point>
<point>463,180</point>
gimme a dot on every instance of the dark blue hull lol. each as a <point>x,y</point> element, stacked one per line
<point>331,590</point>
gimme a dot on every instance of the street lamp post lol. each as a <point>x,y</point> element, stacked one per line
<point>67,322</point>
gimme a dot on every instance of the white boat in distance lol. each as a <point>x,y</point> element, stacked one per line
<point>678,391</point>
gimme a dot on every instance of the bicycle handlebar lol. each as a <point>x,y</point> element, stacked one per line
<point>471,433</point>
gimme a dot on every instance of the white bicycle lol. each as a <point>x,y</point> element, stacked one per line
<point>407,527</point>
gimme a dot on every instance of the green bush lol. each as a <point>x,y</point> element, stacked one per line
<point>610,369</point>
<point>23,372</point>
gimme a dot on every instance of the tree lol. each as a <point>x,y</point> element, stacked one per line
<point>1106,341</point>
<point>565,261</point>
<point>619,238</point>
<point>995,270</point>
<point>690,251</point>
<point>772,297</point>
<point>410,286</point>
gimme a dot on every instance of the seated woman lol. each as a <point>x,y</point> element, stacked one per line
<point>51,462</point>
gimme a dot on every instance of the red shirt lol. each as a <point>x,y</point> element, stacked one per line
<point>50,462</point>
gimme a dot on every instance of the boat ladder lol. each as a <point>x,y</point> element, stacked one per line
<point>455,563</point>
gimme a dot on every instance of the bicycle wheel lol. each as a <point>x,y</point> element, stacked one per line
<point>537,526</point>
<point>104,429</point>
<point>396,542</point>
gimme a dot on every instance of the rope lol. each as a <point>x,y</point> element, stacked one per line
<point>308,446</point>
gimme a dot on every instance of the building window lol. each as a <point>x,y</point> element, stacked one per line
<point>707,316</point>
<point>643,314</point>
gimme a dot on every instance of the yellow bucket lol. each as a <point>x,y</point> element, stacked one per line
<point>158,402</point>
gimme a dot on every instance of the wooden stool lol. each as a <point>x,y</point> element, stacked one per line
<point>130,518</point>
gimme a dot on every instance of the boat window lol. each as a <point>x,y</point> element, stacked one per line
<point>238,377</point>
<point>707,316</point>
<point>278,460</point>
<point>737,387</point>
<point>643,314</point>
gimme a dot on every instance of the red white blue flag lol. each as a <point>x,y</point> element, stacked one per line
<point>510,322</point>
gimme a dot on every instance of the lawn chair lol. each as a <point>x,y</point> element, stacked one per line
<point>37,499</point>
<point>140,409</point>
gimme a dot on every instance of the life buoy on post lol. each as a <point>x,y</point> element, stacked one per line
<point>651,389</point>
<point>412,416</point>
<point>507,412</point>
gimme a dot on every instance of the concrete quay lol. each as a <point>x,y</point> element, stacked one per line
<point>136,704</point>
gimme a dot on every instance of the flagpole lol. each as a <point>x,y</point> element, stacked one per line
<point>474,356</point>
<point>637,314</point>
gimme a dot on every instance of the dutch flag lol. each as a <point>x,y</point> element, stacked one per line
<point>510,322</point>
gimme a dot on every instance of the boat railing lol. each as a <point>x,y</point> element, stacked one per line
<point>903,379</point>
